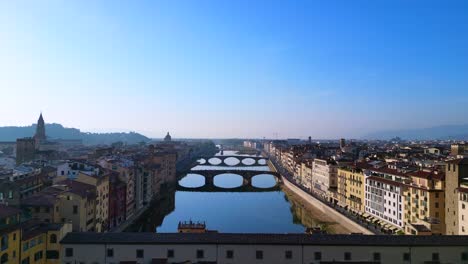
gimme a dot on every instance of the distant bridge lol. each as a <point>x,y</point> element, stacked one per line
<point>240,159</point>
<point>246,186</point>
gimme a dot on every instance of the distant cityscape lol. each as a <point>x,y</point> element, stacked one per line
<point>53,189</point>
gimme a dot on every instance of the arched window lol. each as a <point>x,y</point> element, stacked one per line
<point>53,239</point>
<point>4,259</point>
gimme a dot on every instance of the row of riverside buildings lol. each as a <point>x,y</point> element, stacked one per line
<point>417,188</point>
<point>104,190</point>
<point>100,195</point>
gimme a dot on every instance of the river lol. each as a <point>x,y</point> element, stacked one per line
<point>278,211</point>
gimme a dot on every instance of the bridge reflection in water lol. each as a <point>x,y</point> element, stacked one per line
<point>246,186</point>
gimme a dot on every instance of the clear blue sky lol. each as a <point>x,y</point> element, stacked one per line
<point>235,68</point>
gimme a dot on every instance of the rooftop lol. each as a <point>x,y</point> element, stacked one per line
<point>265,239</point>
<point>6,211</point>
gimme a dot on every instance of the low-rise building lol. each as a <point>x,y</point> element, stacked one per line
<point>260,248</point>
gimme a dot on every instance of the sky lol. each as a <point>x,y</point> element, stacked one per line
<point>222,68</point>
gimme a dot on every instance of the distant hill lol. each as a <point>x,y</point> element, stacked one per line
<point>57,131</point>
<point>455,132</point>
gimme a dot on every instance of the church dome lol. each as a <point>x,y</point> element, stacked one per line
<point>168,137</point>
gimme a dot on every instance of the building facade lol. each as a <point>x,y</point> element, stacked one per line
<point>264,248</point>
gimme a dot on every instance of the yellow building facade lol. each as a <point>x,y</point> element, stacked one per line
<point>9,235</point>
<point>351,184</point>
<point>425,203</point>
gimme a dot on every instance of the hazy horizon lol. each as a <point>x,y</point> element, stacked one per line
<point>235,69</point>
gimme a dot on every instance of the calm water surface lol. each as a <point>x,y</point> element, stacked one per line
<point>237,212</point>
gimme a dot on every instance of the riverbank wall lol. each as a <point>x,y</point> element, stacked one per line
<point>312,201</point>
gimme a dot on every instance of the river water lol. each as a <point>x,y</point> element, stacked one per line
<point>229,212</point>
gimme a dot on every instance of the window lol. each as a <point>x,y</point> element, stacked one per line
<point>38,256</point>
<point>53,239</point>
<point>140,253</point>
<point>25,246</point>
<point>110,252</point>
<point>25,261</point>
<point>436,205</point>
<point>170,253</point>
<point>376,256</point>
<point>464,256</point>
<point>75,209</point>
<point>69,252</point>
<point>435,256</point>
<point>200,253</point>
<point>347,255</point>
<point>259,254</point>
<point>52,254</point>
<point>4,242</point>
<point>288,254</point>
<point>229,254</point>
<point>4,258</point>
<point>318,255</point>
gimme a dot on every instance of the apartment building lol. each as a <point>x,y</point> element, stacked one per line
<point>425,203</point>
<point>351,188</point>
<point>67,201</point>
<point>9,234</point>
<point>29,242</point>
<point>324,178</point>
<point>101,186</point>
<point>384,190</point>
<point>306,173</point>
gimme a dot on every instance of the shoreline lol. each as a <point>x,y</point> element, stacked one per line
<point>315,204</point>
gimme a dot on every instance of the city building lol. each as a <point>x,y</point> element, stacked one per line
<point>324,178</point>
<point>351,188</point>
<point>9,234</point>
<point>385,196</point>
<point>25,150</point>
<point>425,203</point>
<point>456,174</point>
<point>260,248</point>
<point>101,189</point>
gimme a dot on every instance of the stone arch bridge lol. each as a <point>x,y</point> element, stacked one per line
<point>223,159</point>
<point>246,186</point>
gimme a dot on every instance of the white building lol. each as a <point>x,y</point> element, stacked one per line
<point>324,177</point>
<point>384,198</point>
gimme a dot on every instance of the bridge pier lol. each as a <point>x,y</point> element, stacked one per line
<point>247,181</point>
<point>209,181</point>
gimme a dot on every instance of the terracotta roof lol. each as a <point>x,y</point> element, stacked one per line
<point>82,189</point>
<point>387,181</point>
<point>427,175</point>
<point>386,170</point>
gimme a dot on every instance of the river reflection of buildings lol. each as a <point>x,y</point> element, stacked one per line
<point>153,218</point>
<point>304,216</point>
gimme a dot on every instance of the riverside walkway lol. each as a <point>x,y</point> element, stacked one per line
<point>339,214</point>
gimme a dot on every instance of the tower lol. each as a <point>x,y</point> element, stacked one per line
<point>40,135</point>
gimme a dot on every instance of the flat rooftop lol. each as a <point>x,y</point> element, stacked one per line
<point>265,239</point>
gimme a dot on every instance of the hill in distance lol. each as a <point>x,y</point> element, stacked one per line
<point>445,132</point>
<point>57,131</point>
